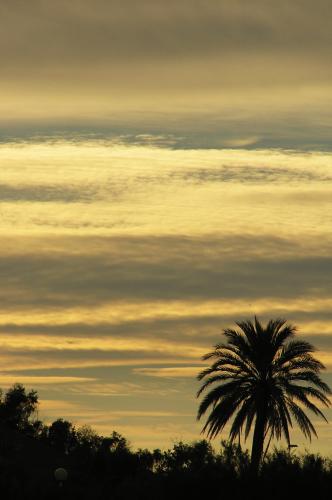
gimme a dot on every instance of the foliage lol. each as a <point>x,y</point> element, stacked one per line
<point>17,407</point>
<point>88,439</point>
<point>62,435</point>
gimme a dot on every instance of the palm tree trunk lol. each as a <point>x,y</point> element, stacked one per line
<point>258,441</point>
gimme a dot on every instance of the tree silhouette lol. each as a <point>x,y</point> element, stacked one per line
<point>62,435</point>
<point>17,407</point>
<point>254,379</point>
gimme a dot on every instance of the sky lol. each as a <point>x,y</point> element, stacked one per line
<point>165,171</point>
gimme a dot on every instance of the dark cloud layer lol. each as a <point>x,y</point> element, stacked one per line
<point>304,125</point>
<point>102,31</point>
<point>191,270</point>
<point>252,175</point>
<point>46,193</point>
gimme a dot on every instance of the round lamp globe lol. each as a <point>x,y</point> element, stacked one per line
<point>60,474</point>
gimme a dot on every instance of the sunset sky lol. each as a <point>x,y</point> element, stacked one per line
<point>165,171</point>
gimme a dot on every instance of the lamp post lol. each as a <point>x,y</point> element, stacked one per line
<point>60,475</point>
<point>290,446</point>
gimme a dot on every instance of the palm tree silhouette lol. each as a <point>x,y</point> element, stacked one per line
<point>254,378</point>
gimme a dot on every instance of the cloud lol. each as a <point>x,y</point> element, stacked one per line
<point>250,174</point>
<point>42,193</point>
<point>104,31</point>
<point>170,372</point>
<point>19,362</point>
<point>241,142</point>
<point>192,270</point>
<point>95,187</point>
<point>57,406</point>
<point>7,380</point>
<point>127,388</point>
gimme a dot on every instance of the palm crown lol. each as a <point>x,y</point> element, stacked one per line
<point>261,374</point>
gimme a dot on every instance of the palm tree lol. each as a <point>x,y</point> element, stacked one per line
<point>261,375</point>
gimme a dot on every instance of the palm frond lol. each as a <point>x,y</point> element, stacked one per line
<point>241,417</point>
<point>221,414</point>
<point>218,368</point>
<point>225,359</point>
<point>298,393</point>
<point>303,421</point>
<point>311,377</point>
<point>217,394</point>
<point>249,331</point>
<point>216,378</point>
<point>280,331</point>
<point>294,349</point>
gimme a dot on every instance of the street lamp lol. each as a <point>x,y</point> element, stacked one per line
<point>60,475</point>
<point>290,446</point>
